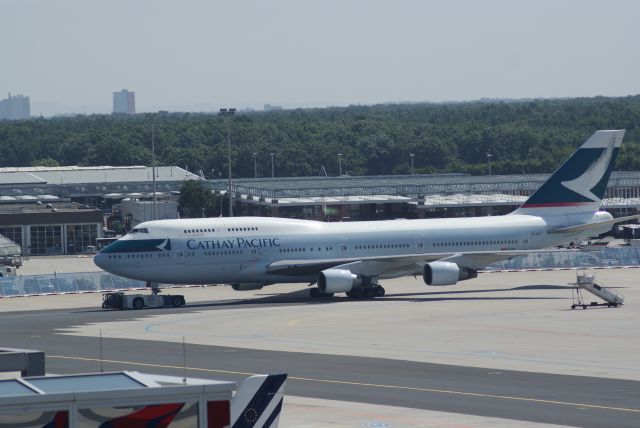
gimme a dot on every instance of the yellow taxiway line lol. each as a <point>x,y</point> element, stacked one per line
<point>363,384</point>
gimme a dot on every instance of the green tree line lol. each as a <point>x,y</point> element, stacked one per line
<point>522,137</point>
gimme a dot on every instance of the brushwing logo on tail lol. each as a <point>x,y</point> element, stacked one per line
<point>584,184</point>
<point>581,181</point>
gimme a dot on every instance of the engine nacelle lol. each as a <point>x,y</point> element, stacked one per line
<point>446,273</point>
<point>247,286</point>
<point>336,281</point>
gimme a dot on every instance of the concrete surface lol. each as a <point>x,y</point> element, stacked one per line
<point>302,412</point>
<point>500,321</point>
<point>511,321</point>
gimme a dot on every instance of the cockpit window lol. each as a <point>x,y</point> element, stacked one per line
<point>139,230</point>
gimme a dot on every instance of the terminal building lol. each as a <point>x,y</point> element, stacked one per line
<point>61,210</point>
<point>405,196</point>
<point>50,228</point>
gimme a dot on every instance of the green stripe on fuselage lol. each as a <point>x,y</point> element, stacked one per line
<point>134,246</point>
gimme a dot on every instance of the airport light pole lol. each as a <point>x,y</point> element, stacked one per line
<point>273,171</point>
<point>412,155</point>
<point>339,164</point>
<point>227,113</point>
<point>153,171</point>
<point>153,164</point>
<point>489,159</point>
<point>255,165</point>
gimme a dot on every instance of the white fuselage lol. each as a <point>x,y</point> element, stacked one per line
<point>240,249</point>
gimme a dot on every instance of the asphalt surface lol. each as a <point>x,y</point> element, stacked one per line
<point>536,397</point>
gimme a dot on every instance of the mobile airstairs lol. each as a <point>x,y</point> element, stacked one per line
<point>587,281</point>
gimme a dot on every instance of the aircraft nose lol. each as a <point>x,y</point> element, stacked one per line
<point>100,260</point>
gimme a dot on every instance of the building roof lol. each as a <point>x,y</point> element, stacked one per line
<point>403,185</point>
<point>107,383</point>
<point>20,177</point>
<point>91,174</point>
<point>29,208</point>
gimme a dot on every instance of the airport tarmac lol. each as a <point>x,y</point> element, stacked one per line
<point>46,265</point>
<point>494,351</point>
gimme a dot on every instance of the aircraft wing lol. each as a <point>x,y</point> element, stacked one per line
<point>391,266</point>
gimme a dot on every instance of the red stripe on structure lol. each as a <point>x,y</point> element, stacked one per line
<point>218,414</point>
<point>556,204</point>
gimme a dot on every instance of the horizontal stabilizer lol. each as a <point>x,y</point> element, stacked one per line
<point>587,226</point>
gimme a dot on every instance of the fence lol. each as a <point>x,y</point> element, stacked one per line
<point>60,283</point>
<point>573,259</point>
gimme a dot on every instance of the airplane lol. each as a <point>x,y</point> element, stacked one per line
<point>352,257</point>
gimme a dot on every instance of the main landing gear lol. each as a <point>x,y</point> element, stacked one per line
<point>369,292</point>
<point>366,287</point>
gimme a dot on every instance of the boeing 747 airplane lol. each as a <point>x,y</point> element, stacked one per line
<point>252,252</point>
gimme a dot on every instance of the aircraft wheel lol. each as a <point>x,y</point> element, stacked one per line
<point>380,291</point>
<point>176,301</point>
<point>370,293</point>
<point>584,306</point>
<point>355,294</point>
<point>138,303</point>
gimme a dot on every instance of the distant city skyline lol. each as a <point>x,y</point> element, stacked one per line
<point>199,55</point>
<point>124,101</point>
<point>15,107</point>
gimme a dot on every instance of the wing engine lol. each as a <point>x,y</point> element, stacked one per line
<point>337,280</point>
<point>446,273</point>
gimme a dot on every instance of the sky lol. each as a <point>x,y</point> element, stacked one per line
<point>69,56</point>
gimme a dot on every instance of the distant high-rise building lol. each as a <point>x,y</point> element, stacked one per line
<point>124,102</point>
<point>17,107</point>
<point>269,107</point>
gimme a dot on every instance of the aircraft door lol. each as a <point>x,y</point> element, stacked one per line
<point>254,254</point>
<point>343,248</point>
<point>420,244</point>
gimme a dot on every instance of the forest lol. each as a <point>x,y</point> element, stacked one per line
<point>526,136</point>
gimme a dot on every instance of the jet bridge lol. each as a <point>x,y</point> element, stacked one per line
<point>587,281</point>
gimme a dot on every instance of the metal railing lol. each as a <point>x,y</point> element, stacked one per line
<point>60,283</point>
<point>573,259</point>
